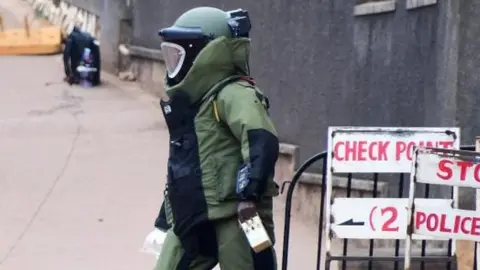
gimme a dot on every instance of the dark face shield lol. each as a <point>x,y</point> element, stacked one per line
<point>181,33</point>
<point>180,45</point>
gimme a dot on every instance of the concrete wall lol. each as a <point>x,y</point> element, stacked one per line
<point>468,59</point>
<point>301,57</point>
<point>332,62</point>
<point>321,65</point>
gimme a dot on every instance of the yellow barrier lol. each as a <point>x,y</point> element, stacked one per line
<point>30,41</point>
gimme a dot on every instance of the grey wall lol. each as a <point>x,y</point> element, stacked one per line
<point>395,60</point>
<point>468,79</point>
<point>468,97</point>
<point>301,52</point>
<point>151,15</point>
<point>322,66</point>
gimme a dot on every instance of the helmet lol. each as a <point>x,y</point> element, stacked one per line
<point>192,31</point>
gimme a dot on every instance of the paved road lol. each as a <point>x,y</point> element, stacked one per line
<point>82,171</point>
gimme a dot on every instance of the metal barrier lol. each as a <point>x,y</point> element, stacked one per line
<point>396,259</point>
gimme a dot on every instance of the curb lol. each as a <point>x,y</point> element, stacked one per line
<point>133,90</point>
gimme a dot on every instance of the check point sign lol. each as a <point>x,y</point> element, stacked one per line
<point>376,218</point>
<point>382,150</point>
<point>389,150</point>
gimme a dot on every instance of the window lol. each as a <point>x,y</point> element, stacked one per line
<point>359,2</point>
<point>411,4</point>
<point>366,7</point>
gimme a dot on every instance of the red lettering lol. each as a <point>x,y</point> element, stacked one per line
<point>427,144</point>
<point>464,165</point>
<point>475,226</point>
<point>443,223</point>
<point>432,222</point>
<point>382,150</point>
<point>456,224</point>
<point>410,150</point>
<point>371,151</point>
<point>445,172</point>
<point>362,149</point>
<point>350,150</point>
<point>463,226</point>
<point>377,150</point>
<point>407,147</point>
<point>399,149</point>
<point>336,151</point>
<point>432,144</point>
<point>476,173</point>
<point>420,218</point>
<point>446,144</point>
<point>387,226</point>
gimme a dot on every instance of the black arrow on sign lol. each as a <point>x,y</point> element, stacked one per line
<point>350,222</point>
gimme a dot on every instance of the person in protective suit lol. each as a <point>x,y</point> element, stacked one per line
<point>218,123</point>
<point>75,44</point>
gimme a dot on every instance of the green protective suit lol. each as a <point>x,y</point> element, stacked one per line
<point>215,127</point>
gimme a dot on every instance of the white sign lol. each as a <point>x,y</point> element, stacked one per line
<point>383,149</point>
<point>448,167</point>
<point>376,218</point>
<point>446,222</point>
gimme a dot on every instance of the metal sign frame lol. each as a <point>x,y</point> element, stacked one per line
<point>393,133</point>
<point>424,159</point>
<point>393,262</point>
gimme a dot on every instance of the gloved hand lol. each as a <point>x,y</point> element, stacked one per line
<point>154,242</point>
<point>250,191</point>
<point>246,210</point>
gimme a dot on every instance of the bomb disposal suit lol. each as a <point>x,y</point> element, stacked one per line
<point>218,122</point>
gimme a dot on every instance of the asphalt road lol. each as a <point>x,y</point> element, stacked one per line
<point>81,171</point>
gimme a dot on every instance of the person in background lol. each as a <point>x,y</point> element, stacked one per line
<point>75,44</point>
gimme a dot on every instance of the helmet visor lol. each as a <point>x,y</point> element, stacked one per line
<point>174,56</point>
